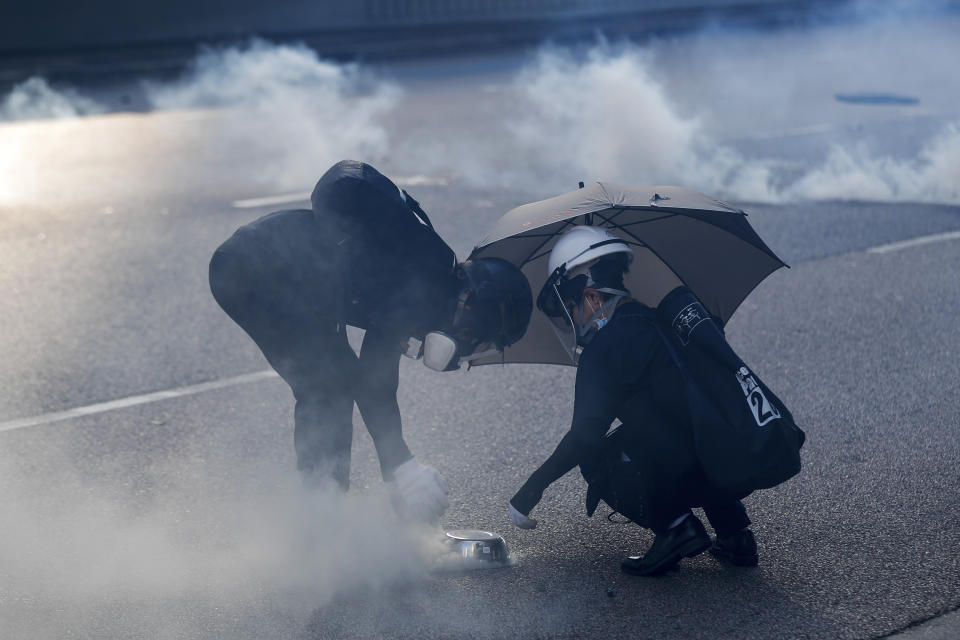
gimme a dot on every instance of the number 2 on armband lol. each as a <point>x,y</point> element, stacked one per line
<point>763,411</point>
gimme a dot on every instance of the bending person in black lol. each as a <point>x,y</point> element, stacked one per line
<point>366,256</point>
<point>624,372</point>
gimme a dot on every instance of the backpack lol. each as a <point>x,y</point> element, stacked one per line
<point>745,437</point>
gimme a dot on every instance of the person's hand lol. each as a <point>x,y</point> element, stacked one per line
<point>521,520</point>
<point>412,347</point>
<point>420,491</point>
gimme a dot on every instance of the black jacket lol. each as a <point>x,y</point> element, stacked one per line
<point>365,247</point>
<point>366,254</point>
<point>626,373</point>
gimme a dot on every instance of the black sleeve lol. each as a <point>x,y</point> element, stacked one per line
<point>563,458</point>
<point>609,374</point>
<point>377,398</point>
<point>598,396</point>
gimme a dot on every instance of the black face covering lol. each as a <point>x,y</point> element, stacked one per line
<point>475,322</point>
<point>469,330</point>
<point>479,322</point>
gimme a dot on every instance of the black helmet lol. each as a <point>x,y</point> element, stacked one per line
<point>495,303</point>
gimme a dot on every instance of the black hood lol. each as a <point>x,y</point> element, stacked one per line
<point>350,186</point>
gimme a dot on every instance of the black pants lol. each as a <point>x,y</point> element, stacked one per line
<point>297,330</point>
<point>653,487</point>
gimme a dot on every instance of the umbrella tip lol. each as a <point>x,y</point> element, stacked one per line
<point>581,184</point>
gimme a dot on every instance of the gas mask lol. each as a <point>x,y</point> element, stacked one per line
<point>465,340</point>
<point>442,352</point>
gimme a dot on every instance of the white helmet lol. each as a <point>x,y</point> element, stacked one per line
<point>584,244</point>
<point>569,270</point>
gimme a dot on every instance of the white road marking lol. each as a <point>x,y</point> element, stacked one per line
<point>915,242</point>
<point>132,401</point>
<point>423,181</point>
<point>285,198</point>
<point>304,196</point>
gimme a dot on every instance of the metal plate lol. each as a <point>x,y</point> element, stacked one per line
<point>476,549</point>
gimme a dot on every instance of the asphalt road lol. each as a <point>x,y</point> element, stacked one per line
<point>182,517</point>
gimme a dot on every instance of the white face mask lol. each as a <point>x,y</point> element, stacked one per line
<point>442,353</point>
<point>439,351</point>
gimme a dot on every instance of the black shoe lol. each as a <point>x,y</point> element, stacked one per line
<point>685,540</point>
<point>739,549</point>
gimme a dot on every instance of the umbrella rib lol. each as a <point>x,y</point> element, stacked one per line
<point>566,223</point>
<point>631,224</point>
<point>760,247</point>
<point>610,219</point>
<point>545,253</point>
<point>572,222</point>
<point>527,235</point>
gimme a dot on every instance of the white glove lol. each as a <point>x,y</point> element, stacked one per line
<point>420,490</point>
<point>521,520</point>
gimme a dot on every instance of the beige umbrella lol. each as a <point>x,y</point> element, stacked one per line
<point>679,237</point>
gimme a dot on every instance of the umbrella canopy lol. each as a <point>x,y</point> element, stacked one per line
<point>678,237</point>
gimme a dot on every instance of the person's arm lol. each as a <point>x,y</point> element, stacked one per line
<point>419,491</point>
<point>596,403</point>
<point>377,398</point>
<point>563,458</point>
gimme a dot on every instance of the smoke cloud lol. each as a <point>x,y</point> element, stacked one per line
<point>857,175</point>
<point>747,115</point>
<point>293,112</point>
<point>607,117</point>
<point>188,559</point>
<point>35,99</point>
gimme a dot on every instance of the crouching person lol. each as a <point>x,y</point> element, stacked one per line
<point>647,469</point>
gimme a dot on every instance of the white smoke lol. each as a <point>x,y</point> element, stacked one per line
<point>35,99</point>
<point>268,118</point>
<point>931,176</point>
<point>742,114</point>
<point>283,106</point>
<point>569,110</point>
<point>607,117</point>
<point>191,558</point>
